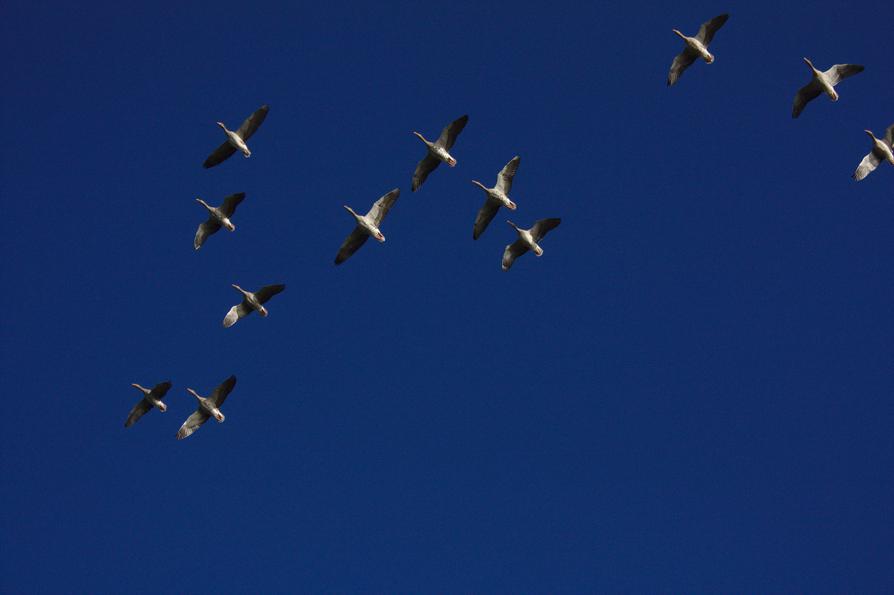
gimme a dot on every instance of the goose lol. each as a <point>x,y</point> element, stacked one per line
<point>822,82</point>
<point>208,407</point>
<point>881,151</point>
<point>250,302</point>
<point>496,197</point>
<point>695,47</point>
<point>151,398</point>
<point>236,140</point>
<point>367,225</point>
<point>527,240</point>
<point>217,217</point>
<point>438,151</point>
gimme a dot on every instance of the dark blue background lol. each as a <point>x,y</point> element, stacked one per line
<point>692,390</point>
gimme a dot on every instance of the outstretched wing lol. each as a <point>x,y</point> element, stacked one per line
<point>504,178</point>
<point>425,167</point>
<point>867,166</point>
<point>192,423</point>
<point>709,28</point>
<point>206,228</point>
<point>161,389</point>
<point>513,251</point>
<point>683,61</point>
<point>268,291</point>
<point>220,393</point>
<point>220,154</point>
<point>238,311</point>
<point>381,207</point>
<point>805,95</point>
<point>252,123</point>
<point>542,227</point>
<point>228,208</point>
<point>138,411</point>
<point>351,244</point>
<point>839,72</point>
<point>451,131</point>
<point>485,215</point>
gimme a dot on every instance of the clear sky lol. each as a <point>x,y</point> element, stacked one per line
<point>692,390</point>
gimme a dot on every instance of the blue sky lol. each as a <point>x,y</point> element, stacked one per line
<point>691,391</point>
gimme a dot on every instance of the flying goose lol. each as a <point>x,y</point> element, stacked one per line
<point>236,140</point>
<point>438,151</point>
<point>881,151</point>
<point>151,398</point>
<point>217,217</point>
<point>496,196</point>
<point>695,47</point>
<point>822,82</point>
<point>250,302</point>
<point>527,240</point>
<point>367,225</point>
<point>208,406</point>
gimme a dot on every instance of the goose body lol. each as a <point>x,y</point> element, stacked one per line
<point>696,47</point>
<point>207,408</point>
<point>251,302</point>
<point>236,140</point>
<point>822,82</point>
<point>366,225</point>
<point>882,150</point>
<point>217,217</point>
<point>528,239</point>
<point>151,398</point>
<point>496,197</point>
<point>438,151</point>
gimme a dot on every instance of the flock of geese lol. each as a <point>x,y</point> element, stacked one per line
<point>437,152</point>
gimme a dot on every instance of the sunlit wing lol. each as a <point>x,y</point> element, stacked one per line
<point>504,178</point>
<point>206,228</point>
<point>253,122</point>
<point>451,131</point>
<point>683,61</point>
<point>381,207</point>
<point>867,165</point>
<point>513,251</point>
<point>238,311</point>
<point>192,423</point>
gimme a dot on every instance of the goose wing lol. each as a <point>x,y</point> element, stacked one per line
<point>220,154</point>
<point>867,166</point>
<point>709,28</point>
<point>451,131</point>
<point>504,178</point>
<point>381,207</point>
<point>192,423</point>
<point>889,135</point>
<point>161,389</point>
<point>683,61</point>
<point>238,311</point>
<point>542,227</point>
<point>428,164</point>
<point>252,123</point>
<point>228,208</point>
<point>206,228</point>
<point>221,392</point>
<point>839,72</point>
<point>268,291</point>
<point>356,239</point>
<point>805,95</point>
<point>513,251</point>
<point>138,411</point>
<point>485,215</point>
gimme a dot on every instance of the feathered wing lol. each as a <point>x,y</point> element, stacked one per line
<point>428,164</point>
<point>206,228</point>
<point>161,389</point>
<point>221,392</point>
<point>138,411</point>
<point>867,166</point>
<point>683,61</point>
<point>381,207</point>
<point>839,72</point>
<point>238,311</point>
<point>504,178</point>
<point>451,131</point>
<point>513,251</point>
<point>228,208</point>
<point>805,95</point>
<point>889,135</point>
<point>485,215</point>
<point>542,227</point>
<point>351,244</point>
<point>220,154</point>
<point>192,423</point>
<point>252,123</point>
<point>268,291</point>
<point>709,28</point>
